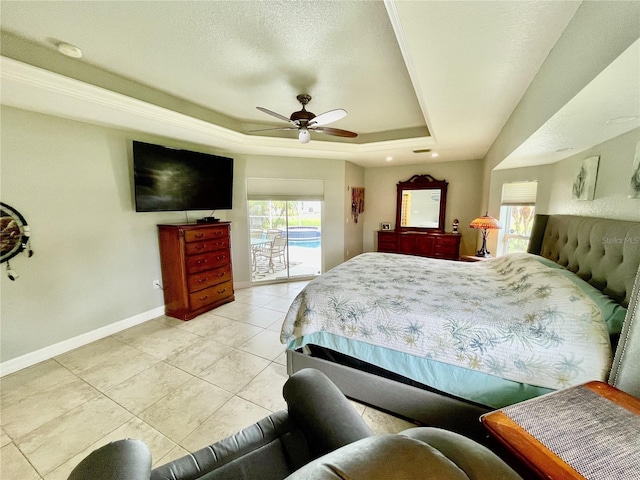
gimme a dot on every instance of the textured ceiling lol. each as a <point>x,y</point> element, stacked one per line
<point>477,64</point>
<point>411,74</point>
<point>589,118</point>
<point>233,56</point>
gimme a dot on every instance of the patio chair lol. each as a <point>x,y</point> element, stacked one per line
<point>276,250</point>
<point>256,233</point>
<point>273,233</point>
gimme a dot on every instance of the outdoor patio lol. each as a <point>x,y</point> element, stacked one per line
<point>303,262</point>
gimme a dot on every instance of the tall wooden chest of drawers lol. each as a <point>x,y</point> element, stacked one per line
<point>197,274</point>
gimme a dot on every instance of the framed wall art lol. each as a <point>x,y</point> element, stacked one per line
<point>584,185</point>
<point>357,202</point>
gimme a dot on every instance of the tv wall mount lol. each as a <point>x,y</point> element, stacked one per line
<point>15,236</point>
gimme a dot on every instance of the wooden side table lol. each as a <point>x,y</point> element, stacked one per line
<point>588,431</point>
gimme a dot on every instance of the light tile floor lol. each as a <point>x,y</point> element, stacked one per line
<point>178,386</point>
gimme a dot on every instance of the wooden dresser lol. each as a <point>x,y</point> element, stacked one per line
<point>196,268</point>
<point>424,244</point>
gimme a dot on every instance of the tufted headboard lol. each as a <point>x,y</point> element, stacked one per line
<point>605,253</point>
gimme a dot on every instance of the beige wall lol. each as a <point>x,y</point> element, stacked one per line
<point>332,172</point>
<point>611,198</point>
<point>598,33</point>
<point>354,177</point>
<point>463,197</point>
<point>95,257</point>
<point>555,183</point>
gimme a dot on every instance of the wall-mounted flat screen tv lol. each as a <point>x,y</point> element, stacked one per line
<point>169,179</point>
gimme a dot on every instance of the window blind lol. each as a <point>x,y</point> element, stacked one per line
<point>519,193</point>
<point>285,189</point>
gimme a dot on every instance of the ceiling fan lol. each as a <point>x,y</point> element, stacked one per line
<point>306,122</point>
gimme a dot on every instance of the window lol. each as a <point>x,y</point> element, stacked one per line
<point>285,217</point>
<point>285,239</point>
<point>517,227</point>
<point>516,214</point>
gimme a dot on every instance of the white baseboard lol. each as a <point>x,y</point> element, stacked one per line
<point>29,359</point>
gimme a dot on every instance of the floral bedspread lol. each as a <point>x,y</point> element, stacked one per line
<point>511,317</point>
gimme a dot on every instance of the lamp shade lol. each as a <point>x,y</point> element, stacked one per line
<point>486,222</point>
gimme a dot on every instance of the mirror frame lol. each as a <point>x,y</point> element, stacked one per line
<point>422,182</point>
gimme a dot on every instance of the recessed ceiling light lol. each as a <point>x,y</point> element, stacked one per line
<point>69,50</point>
<point>389,159</point>
<point>624,119</point>
<point>434,155</point>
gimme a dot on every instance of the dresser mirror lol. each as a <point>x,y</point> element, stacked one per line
<point>421,204</point>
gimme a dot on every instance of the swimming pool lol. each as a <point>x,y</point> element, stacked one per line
<point>309,237</point>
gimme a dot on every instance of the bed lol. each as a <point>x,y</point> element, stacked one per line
<point>441,342</point>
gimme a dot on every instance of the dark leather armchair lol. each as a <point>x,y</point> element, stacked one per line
<point>319,419</point>
<point>319,436</point>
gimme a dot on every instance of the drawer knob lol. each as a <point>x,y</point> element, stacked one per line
<point>202,280</point>
<point>204,298</point>
<point>201,262</point>
<point>199,235</point>
<point>222,291</point>
<point>200,247</point>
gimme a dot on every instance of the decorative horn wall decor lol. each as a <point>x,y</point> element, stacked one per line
<point>357,202</point>
<point>15,237</point>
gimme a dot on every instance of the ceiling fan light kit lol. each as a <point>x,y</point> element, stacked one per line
<point>306,122</point>
<point>304,136</point>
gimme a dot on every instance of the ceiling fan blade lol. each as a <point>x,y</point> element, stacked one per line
<point>274,114</point>
<point>328,117</point>
<point>334,131</point>
<point>268,129</point>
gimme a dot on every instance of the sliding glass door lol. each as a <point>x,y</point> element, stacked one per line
<point>285,239</point>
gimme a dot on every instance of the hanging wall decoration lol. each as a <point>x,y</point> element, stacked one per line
<point>634,185</point>
<point>15,237</point>
<point>584,185</point>
<point>357,202</point>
